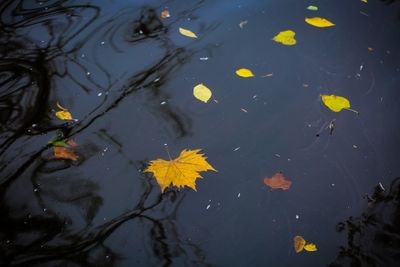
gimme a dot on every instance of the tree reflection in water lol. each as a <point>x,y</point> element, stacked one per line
<point>38,191</point>
<point>373,239</point>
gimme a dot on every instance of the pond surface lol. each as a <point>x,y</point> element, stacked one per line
<point>127,76</point>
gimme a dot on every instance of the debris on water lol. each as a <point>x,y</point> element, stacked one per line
<point>381,186</point>
<point>157,79</point>
<point>355,146</point>
<point>102,43</point>
<point>83,55</point>
<point>243,23</point>
<point>88,73</point>
<point>35,190</point>
<point>244,110</point>
<point>361,67</point>
<point>363,13</point>
<point>208,206</point>
<point>236,149</point>
<point>99,94</point>
<point>297,217</point>
<point>277,155</point>
<point>254,96</point>
<point>238,195</point>
<point>332,185</point>
<point>163,103</point>
<point>370,49</point>
<point>204,58</point>
<point>305,85</point>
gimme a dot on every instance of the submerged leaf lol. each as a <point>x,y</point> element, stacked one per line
<point>187,33</point>
<point>245,73</point>
<point>202,92</point>
<point>278,181</point>
<point>319,22</point>
<point>285,37</point>
<point>298,243</point>
<point>180,172</point>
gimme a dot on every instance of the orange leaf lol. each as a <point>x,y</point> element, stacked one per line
<point>298,243</point>
<point>65,153</point>
<point>278,181</point>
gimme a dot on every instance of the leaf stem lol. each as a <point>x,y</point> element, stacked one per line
<point>166,148</point>
<point>355,111</point>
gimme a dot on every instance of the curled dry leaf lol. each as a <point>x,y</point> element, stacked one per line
<point>180,172</point>
<point>187,33</point>
<point>319,22</point>
<point>202,92</point>
<point>298,243</point>
<point>63,113</point>
<point>285,37</point>
<point>245,73</point>
<point>310,247</point>
<point>278,181</point>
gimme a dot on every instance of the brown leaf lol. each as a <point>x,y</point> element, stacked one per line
<point>65,153</point>
<point>298,243</point>
<point>278,181</point>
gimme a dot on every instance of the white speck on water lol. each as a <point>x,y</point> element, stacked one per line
<point>34,125</point>
<point>332,185</point>
<point>297,216</point>
<point>102,43</point>
<point>88,73</point>
<point>35,190</point>
<point>355,146</point>
<point>157,79</point>
<point>361,67</point>
<point>140,32</point>
<point>236,149</point>
<point>83,55</point>
<point>107,257</point>
<point>105,149</point>
<point>163,103</point>
<point>204,58</point>
<point>238,195</point>
<point>44,209</point>
<point>277,155</point>
<point>208,206</point>
<point>254,96</point>
<point>99,94</point>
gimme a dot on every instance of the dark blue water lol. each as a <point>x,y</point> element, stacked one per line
<point>127,75</point>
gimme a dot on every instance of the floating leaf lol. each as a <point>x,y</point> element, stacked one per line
<point>319,22</point>
<point>312,8</point>
<point>65,153</point>
<point>310,247</point>
<point>337,103</point>
<point>245,73</point>
<point>298,243</point>
<point>365,1</point>
<point>58,141</point>
<point>202,92</point>
<point>278,181</point>
<point>285,37</point>
<point>242,23</point>
<point>165,14</point>
<point>180,172</point>
<point>187,33</point>
<point>64,115</point>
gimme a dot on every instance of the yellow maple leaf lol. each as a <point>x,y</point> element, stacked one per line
<point>336,103</point>
<point>319,22</point>
<point>180,172</point>
<point>285,37</point>
<point>245,73</point>
<point>202,92</point>
<point>187,33</point>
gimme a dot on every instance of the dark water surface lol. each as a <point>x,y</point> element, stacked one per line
<point>127,76</point>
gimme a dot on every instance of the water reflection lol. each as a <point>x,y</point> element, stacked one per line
<point>373,238</point>
<point>41,44</point>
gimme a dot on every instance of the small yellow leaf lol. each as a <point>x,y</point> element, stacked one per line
<point>64,115</point>
<point>365,1</point>
<point>245,73</point>
<point>319,22</point>
<point>187,33</point>
<point>335,103</point>
<point>202,92</point>
<point>285,37</point>
<point>180,172</point>
<point>310,247</point>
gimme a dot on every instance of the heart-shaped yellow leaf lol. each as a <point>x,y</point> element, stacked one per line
<point>245,73</point>
<point>187,33</point>
<point>319,22</point>
<point>202,92</point>
<point>310,247</point>
<point>285,37</point>
<point>335,103</point>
